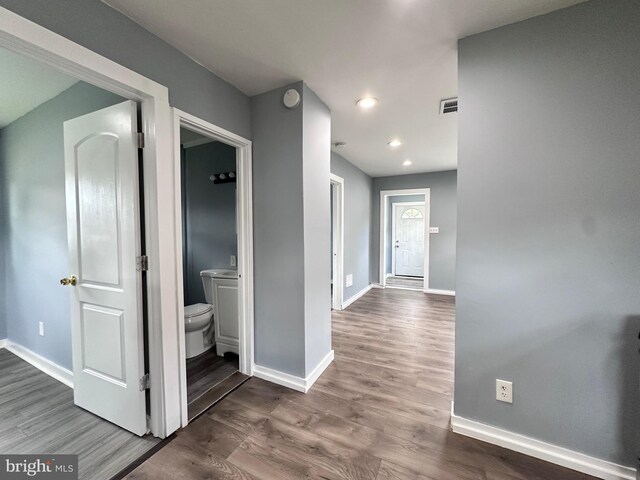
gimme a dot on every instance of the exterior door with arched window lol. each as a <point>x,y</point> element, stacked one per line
<point>409,240</point>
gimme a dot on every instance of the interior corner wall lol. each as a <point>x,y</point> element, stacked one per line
<point>317,228</point>
<point>34,231</point>
<point>358,187</point>
<point>209,214</point>
<point>278,232</point>
<point>443,214</point>
<point>549,228</point>
<point>95,25</point>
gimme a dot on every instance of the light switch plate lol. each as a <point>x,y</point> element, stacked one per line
<point>434,229</point>
<point>41,329</point>
<point>232,260</point>
<point>349,280</point>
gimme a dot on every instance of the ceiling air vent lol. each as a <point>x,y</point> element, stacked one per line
<point>449,105</point>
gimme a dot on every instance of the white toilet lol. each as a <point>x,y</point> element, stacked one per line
<point>198,329</point>
<point>199,320</point>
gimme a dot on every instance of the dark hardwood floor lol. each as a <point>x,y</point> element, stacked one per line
<point>380,411</point>
<point>207,370</point>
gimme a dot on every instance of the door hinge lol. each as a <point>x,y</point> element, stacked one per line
<point>144,382</point>
<point>142,263</point>
<point>140,139</point>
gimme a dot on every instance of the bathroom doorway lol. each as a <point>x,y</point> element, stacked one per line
<point>214,264</point>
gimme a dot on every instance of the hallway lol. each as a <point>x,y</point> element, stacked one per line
<point>380,411</point>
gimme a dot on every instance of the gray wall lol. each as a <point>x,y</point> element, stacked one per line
<point>291,231</point>
<point>548,275</point>
<point>35,223</point>
<point>442,251</point>
<point>3,242</point>
<point>357,223</point>
<point>95,25</point>
<point>278,233</point>
<point>317,227</point>
<point>209,214</point>
<point>389,227</point>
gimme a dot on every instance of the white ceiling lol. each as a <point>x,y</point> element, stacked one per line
<point>25,84</point>
<point>404,52</point>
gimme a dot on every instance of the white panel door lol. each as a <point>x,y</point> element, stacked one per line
<point>409,240</point>
<point>103,219</point>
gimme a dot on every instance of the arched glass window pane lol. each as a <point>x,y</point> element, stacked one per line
<point>412,213</point>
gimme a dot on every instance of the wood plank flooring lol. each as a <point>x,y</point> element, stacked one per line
<point>380,411</point>
<point>37,415</point>
<point>206,371</point>
<point>405,282</point>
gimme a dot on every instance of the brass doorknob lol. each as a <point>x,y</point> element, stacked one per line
<point>69,281</point>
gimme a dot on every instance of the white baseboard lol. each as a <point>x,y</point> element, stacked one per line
<point>388,275</point>
<point>376,285</point>
<point>322,366</point>
<point>291,381</point>
<point>396,287</point>
<point>362,292</point>
<point>46,366</point>
<point>538,449</point>
<point>435,291</point>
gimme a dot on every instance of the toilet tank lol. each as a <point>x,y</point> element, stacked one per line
<point>208,277</point>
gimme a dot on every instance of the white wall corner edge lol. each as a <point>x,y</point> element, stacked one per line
<point>357,296</point>
<point>45,366</point>
<point>435,291</point>
<point>542,450</point>
<point>294,382</point>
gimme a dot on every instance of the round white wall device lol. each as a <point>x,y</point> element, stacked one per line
<point>291,98</point>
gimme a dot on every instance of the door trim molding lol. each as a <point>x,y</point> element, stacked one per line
<point>244,222</point>
<point>45,365</point>
<point>543,450</point>
<point>383,237</point>
<point>393,234</point>
<point>34,41</point>
<point>338,241</point>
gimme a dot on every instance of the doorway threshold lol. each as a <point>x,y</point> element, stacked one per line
<point>212,396</point>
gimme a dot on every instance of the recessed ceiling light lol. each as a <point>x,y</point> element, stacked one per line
<point>394,143</point>
<point>367,102</point>
<point>407,162</point>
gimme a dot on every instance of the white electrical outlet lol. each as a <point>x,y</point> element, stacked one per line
<point>232,260</point>
<point>349,280</point>
<point>434,229</point>
<point>504,391</point>
<point>41,329</point>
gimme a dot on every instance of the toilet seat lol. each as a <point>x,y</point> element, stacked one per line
<point>196,309</point>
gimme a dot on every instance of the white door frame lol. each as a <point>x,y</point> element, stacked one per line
<point>244,222</point>
<point>338,241</point>
<point>384,194</point>
<point>32,40</point>
<point>393,232</point>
